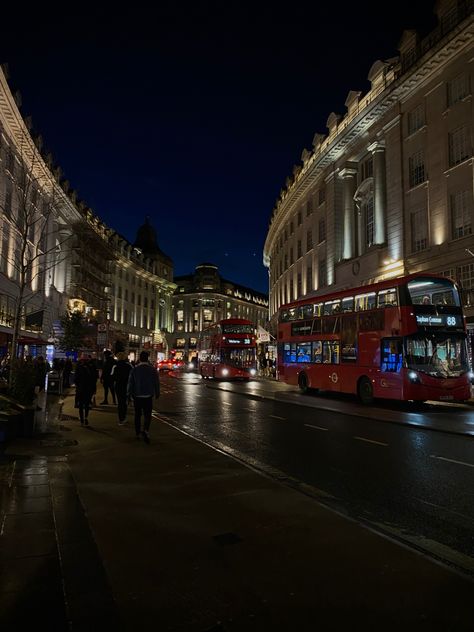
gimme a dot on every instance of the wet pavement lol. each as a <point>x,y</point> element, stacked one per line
<point>178,536</point>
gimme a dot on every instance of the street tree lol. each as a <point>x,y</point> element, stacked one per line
<point>76,332</point>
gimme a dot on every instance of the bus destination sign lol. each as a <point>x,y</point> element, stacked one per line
<point>444,320</point>
<point>238,341</point>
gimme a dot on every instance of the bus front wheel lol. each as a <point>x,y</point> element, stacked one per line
<point>365,391</point>
<point>303,383</point>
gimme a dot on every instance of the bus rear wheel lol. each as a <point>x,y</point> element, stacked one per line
<point>303,383</point>
<point>365,391</point>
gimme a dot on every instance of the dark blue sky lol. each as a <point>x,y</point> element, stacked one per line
<point>195,114</point>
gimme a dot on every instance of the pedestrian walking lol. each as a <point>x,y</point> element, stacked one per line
<point>143,384</point>
<point>106,378</point>
<point>120,374</point>
<point>85,382</point>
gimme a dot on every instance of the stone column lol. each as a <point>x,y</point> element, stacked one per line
<point>63,263</point>
<point>378,152</point>
<point>348,175</point>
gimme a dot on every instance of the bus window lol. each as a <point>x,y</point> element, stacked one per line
<point>371,322</point>
<point>299,313</point>
<point>387,298</point>
<point>317,351</point>
<point>433,292</point>
<point>391,355</point>
<point>348,304</point>
<point>332,307</point>
<point>365,301</point>
<point>307,311</point>
<point>331,324</point>
<point>317,309</point>
<point>349,339</point>
<point>303,352</point>
<point>289,352</point>
<point>316,326</point>
<point>292,313</point>
<point>331,352</point>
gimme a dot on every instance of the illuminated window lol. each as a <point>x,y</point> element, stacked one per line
<point>180,315</point>
<point>207,315</point>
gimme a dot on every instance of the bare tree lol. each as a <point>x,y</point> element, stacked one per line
<point>30,244</point>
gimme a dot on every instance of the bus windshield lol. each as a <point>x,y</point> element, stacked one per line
<point>433,292</point>
<point>240,358</point>
<point>238,329</point>
<point>437,355</point>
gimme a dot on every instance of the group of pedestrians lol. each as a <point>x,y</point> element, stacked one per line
<point>125,383</point>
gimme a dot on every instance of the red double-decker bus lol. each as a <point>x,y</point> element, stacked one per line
<point>399,339</point>
<point>228,349</point>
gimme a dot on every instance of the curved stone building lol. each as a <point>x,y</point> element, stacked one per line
<point>389,189</point>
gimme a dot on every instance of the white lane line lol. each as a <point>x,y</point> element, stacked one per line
<point>276,417</point>
<point>315,427</point>
<point>443,458</point>
<point>371,441</point>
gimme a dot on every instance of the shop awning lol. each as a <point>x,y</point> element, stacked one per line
<point>29,340</point>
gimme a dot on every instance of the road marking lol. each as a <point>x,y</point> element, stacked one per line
<point>250,410</point>
<point>315,427</point>
<point>226,404</point>
<point>443,458</point>
<point>276,417</point>
<point>371,441</point>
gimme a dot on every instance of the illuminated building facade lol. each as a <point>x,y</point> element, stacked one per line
<point>77,262</point>
<point>389,189</point>
<point>203,298</point>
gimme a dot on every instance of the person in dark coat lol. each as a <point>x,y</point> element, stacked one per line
<point>106,378</point>
<point>41,368</point>
<point>85,383</point>
<point>120,374</point>
<point>143,384</point>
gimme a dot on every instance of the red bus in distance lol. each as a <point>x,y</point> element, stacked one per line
<point>228,350</point>
<point>399,339</point>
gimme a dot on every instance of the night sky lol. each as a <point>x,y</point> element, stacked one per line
<point>194,114</point>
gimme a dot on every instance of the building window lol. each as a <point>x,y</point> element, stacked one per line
<point>286,261</point>
<point>207,315</point>
<point>125,317</point>
<point>291,256</point>
<point>292,296</point>
<point>145,301</point>
<point>180,315</point>
<point>459,145</point>
<point>322,229</point>
<point>368,207</point>
<point>419,230</point>
<point>366,169</point>
<point>322,273</point>
<point>300,218</point>
<point>139,299</point>
<point>119,292</point>
<point>321,195</point>
<point>461,214</point>
<point>133,298</point>
<point>299,287</point>
<point>286,234</point>
<point>416,119</point>
<point>309,278</point>
<point>309,207</point>
<point>466,276</point>
<point>309,240</point>
<point>416,165</point>
<point>8,199</point>
<point>292,228</point>
<point>126,294</point>
<point>300,249</point>
<point>458,88</point>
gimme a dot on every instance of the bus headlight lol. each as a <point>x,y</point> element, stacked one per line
<point>253,371</point>
<point>225,372</point>
<point>191,365</point>
<point>414,377</point>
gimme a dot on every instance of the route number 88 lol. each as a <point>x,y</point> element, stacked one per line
<point>451,320</point>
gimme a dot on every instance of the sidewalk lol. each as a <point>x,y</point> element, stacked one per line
<point>176,536</point>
